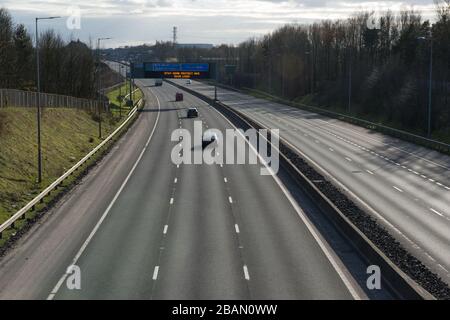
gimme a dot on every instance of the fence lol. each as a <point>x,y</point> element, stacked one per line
<point>28,99</point>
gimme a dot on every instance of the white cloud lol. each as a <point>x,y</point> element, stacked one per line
<point>212,21</point>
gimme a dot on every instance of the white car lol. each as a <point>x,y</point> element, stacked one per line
<point>189,81</point>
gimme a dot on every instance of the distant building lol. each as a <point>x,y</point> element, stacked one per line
<point>195,45</point>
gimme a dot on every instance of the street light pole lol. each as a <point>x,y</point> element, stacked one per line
<point>38,99</point>
<point>349,82</point>
<point>131,87</point>
<point>430,84</point>
<point>430,88</point>
<point>120,89</point>
<point>98,87</point>
<point>309,54</point>
<point>217,79</point>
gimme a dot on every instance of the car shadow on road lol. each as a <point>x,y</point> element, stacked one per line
<point>160,110</point>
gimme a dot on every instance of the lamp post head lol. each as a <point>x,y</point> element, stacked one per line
<point>48,18</point>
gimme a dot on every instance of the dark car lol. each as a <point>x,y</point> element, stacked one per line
<point>208,138</point>
<point>192,113</point>
<point>179,97</point>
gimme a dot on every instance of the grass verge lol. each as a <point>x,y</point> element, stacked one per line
<point>119,96</point>
<point>67,136</point>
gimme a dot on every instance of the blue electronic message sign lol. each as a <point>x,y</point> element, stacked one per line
<point>172,70</point>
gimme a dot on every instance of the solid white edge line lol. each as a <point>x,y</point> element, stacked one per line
<point>437,212</point>
<point>361,134</point>
<point>97,226</point>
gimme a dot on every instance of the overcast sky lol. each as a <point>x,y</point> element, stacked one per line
<point>131,22</point>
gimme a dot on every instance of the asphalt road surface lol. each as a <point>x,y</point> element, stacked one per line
<point>141,227</point>
<point>405,186</point>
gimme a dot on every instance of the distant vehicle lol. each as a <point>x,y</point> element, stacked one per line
<point>192,113</point>
<point>158,82</point>
<point>179,96</point>
<point>189,81</point>
<point>209,137</point>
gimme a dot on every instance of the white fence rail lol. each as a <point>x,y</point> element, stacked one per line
<point>19,98</point>
<point>21,213</point>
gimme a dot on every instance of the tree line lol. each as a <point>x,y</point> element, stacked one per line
<point>66,68</point>
<point>375,67</point>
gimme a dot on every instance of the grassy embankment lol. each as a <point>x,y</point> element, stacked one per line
<point>67,136</point>
<point>118,97</point>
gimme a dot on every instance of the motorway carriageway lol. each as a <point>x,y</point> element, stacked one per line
<point>404,186</point>
<point>140,227</point>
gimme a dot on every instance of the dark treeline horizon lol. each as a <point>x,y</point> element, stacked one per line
<point>387,57</point>
<point>66,67</point>
<point>387,60</point>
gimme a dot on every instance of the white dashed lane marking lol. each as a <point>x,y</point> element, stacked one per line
<point>246,274</point>
<point>381,157</point>
<point>155,273</point>
<point>437,212</point>
<point>398,189</point>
